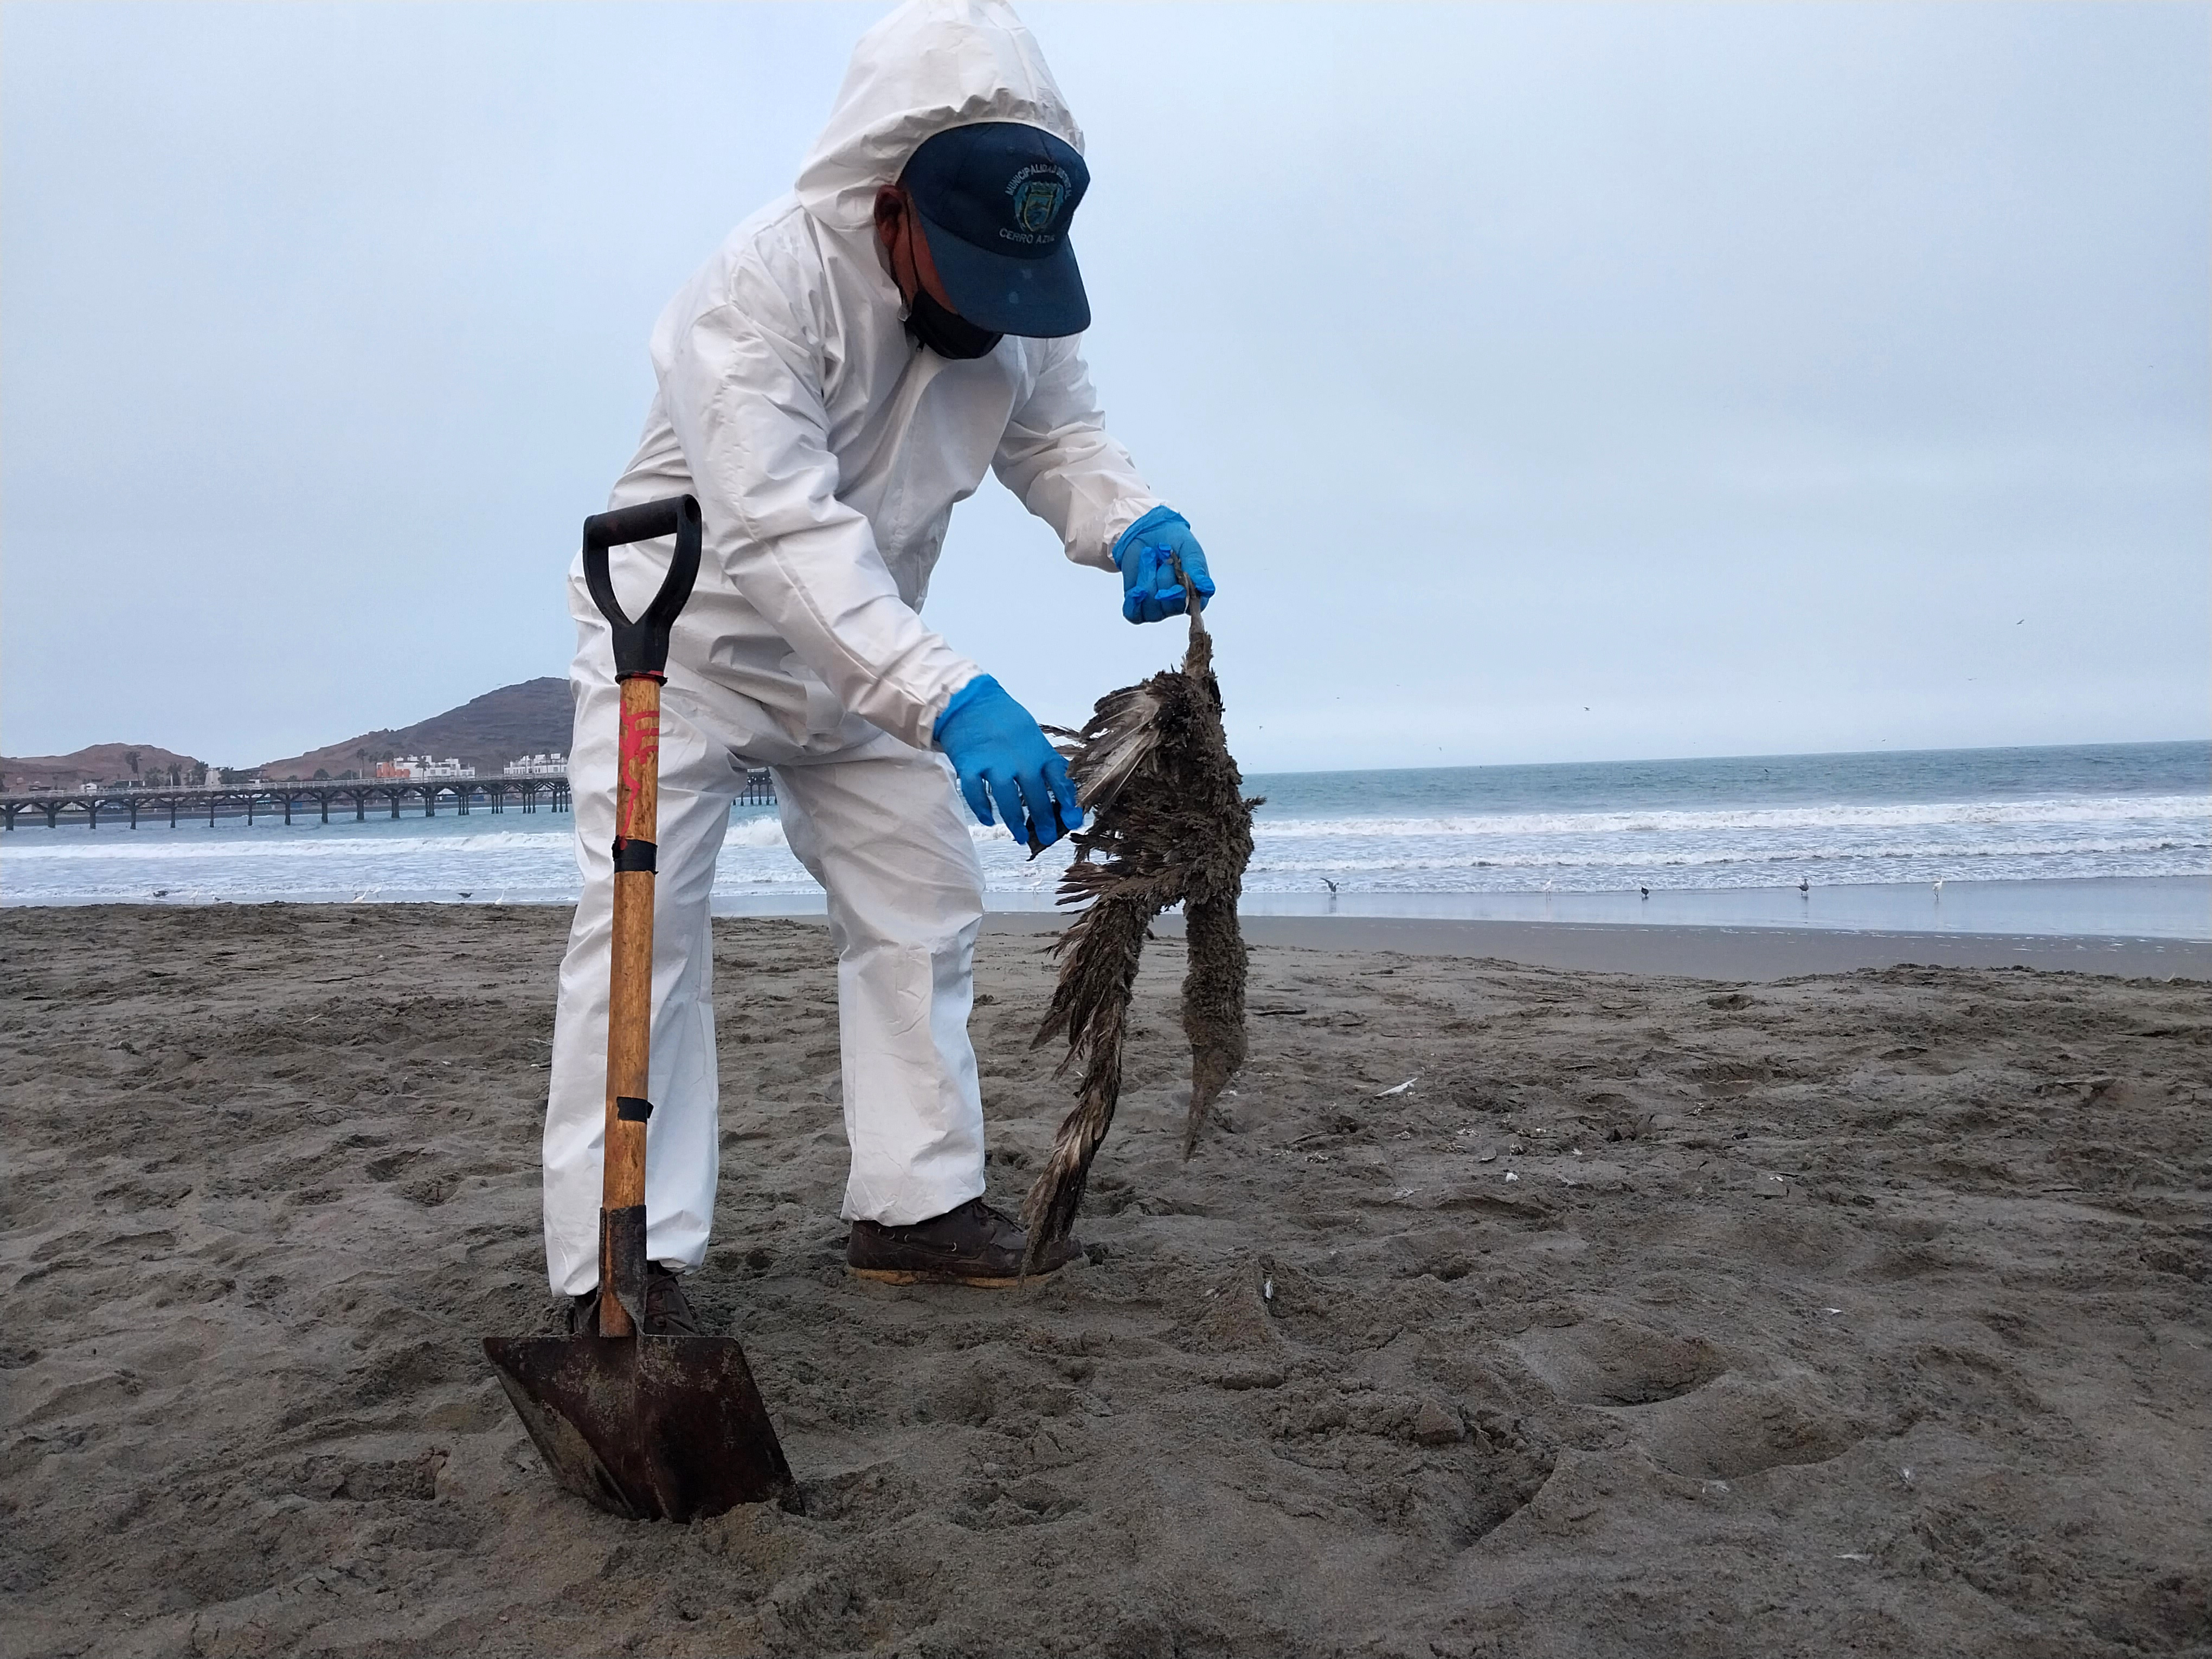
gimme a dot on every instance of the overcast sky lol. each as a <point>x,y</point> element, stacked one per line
<point>1546,382</point>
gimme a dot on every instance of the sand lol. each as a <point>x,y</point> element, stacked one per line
<point>1864,1313</point>
<point>1740,955</point>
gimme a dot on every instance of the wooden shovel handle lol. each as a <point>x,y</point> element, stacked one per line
<point>630,997</point>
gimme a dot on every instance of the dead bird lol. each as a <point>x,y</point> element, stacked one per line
<point>1168,824</point>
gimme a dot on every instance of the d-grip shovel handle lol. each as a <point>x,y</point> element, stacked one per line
<point>640,655</point>
<point>641,646</point>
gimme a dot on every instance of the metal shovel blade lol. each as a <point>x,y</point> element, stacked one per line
<point>652,1428</point>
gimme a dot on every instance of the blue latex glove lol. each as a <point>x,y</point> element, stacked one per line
<point>1145,554</point>
<point>993,744</point>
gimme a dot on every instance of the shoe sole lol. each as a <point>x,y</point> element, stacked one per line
<point>923,1276</point>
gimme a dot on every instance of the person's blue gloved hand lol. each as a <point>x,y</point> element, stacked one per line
<point>995,746</point>
<point>1147,553</point>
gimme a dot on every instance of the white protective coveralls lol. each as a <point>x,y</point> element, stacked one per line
<point>827,452</point>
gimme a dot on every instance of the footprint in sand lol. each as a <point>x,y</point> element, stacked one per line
<point>1686,1409</point>
<point>1734,1427</point>
<point>1606,1362</point>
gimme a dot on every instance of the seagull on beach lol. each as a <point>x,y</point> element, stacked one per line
<point>465,895</point>
<point>1804,886</point>
<point>1939,887</point>
<point>161,892</point>
<point>1646,892</point>
<point>1331,885</point>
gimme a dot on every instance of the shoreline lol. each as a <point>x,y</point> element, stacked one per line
<point>1745,954</point>
<point>2176,905</point>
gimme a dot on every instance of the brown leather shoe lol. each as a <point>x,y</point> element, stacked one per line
<point>668,1311</point>
<point>971,1245</point>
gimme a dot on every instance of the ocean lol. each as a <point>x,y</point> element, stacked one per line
<point>2096,838</point>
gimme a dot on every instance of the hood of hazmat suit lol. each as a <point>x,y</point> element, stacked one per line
<point>925,69</point>
<point>826,448</point>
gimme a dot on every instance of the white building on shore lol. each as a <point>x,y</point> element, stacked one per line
<point>419,768</point>
<point>537,766</point>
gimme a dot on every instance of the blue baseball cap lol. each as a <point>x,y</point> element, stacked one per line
<point>994,201</point>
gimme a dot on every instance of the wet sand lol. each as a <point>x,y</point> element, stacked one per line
<point>1864,1312</point>
<point>1738,954</point>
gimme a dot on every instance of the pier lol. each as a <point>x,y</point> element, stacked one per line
<point>426,797</point>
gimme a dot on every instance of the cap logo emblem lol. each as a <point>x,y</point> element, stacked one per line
<point>1036,202</point>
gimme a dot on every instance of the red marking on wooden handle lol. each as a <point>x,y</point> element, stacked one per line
<point>639,757</point>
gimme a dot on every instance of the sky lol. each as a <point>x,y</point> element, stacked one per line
<point>1546,382</point>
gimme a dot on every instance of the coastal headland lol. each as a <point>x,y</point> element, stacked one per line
<point>481,734</point>
<point>1507,1310</point>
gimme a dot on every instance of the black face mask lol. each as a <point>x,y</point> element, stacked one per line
<point>946,333</point>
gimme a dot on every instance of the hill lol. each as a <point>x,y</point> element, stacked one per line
<point>485,732</point>
<point>103,762</point>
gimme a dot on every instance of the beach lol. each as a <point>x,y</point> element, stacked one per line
<point>1506,1309</point>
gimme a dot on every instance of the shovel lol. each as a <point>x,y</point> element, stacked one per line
<point>651,1428</point>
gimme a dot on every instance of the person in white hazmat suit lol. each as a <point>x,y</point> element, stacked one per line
<point>833,381</point>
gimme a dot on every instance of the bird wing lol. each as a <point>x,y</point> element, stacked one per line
<point>1122,735</point>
